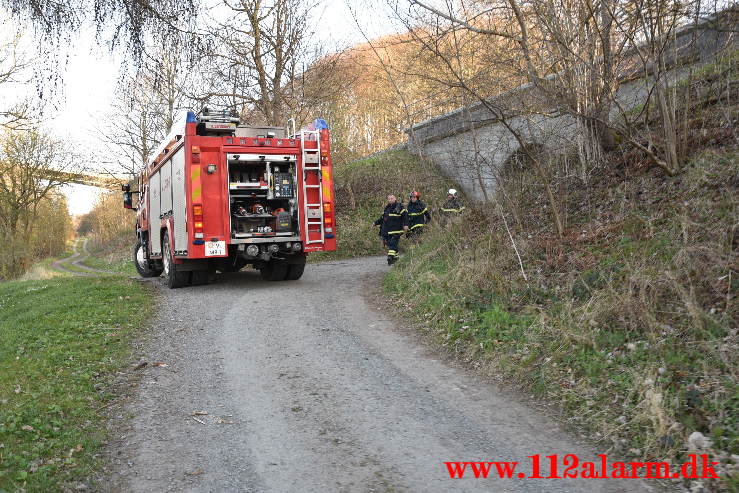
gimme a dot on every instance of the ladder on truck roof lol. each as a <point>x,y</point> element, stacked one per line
<point>312,189</point>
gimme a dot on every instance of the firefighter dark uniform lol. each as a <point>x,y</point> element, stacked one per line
<point>418,217</point>
<point>452,206</point>
<point>394,218</point>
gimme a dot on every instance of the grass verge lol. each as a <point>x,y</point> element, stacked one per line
<point>43,270</point>
<point>112,262</point>
<point>61,340</point>
<point>114,256</point>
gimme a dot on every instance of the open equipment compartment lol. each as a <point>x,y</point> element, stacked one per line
<point>262,195</point>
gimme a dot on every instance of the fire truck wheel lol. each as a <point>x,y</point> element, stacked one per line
<point>295,272</point>
<point>200,277</point>
<point>274,271</point>
<point>174,278</point>
<point>142,263</point>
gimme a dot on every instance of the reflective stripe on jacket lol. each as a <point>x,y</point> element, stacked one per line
<point>453,206</point>
<point>393,218</point>
<point>418,214</point>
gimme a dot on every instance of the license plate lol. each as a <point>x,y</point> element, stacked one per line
<point>215,248</point>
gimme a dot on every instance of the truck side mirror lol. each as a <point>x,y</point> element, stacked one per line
<point>128,200</point>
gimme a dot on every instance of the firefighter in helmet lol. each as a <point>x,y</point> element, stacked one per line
<point>452,207</point>
<point>418,215</point>
<point>393,223</point>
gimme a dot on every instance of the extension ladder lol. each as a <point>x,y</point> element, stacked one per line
<point>312,188</point>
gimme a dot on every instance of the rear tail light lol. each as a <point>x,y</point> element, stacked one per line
<point>328,219</point>
<point>195,154</point>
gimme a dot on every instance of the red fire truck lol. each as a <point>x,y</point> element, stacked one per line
<point>218,195</point>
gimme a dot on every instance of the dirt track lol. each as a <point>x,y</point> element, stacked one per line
<point>309,388</point>
<point>77,259</point>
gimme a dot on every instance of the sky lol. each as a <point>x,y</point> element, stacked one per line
<point>90,73</point>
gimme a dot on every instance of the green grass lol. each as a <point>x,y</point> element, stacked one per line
<point>361,190</point>
<point>112,263</point>
<point>61,340</point>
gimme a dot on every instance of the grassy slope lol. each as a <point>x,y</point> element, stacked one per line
<point>42,270</point>
<point>362,187</point>
<point>628,322</point>
<point>61,340</point>
<point>602,315</point>
<point>115,257</point>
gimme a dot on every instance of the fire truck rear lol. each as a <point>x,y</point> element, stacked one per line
<point>218,196</point>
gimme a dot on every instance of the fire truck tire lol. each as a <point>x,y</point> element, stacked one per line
<point>295,272</point>
<point>175,279</point>
<point>274,271</point>
<point>142,263</point>
<point>200,277</point>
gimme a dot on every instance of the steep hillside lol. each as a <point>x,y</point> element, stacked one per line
<point>361,190</point>
<point>629,321</point>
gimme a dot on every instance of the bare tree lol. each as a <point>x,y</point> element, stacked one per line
<point>133,129</point>
<point>131,22</point>
<point>649,29</point>
<point>259,58</point>
<point>575,53</point>
<point>435,40</point>
<point>567,50</point>
<point>12,64</point>
<point>144,110</point>
<point>32,168</point>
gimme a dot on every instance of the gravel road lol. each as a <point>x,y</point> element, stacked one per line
<point>309,388</point>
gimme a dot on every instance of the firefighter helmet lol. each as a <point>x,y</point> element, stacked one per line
<point>452,192</point>
<point>414,194</point>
